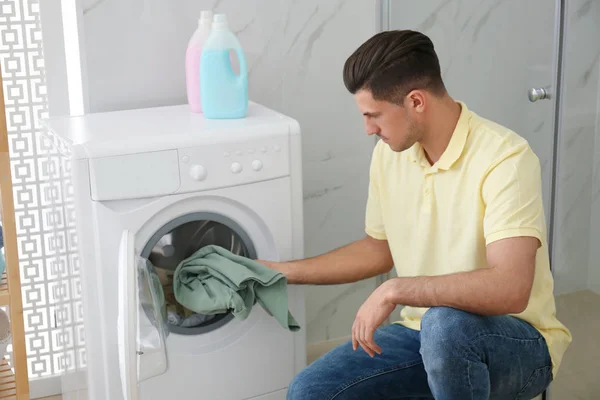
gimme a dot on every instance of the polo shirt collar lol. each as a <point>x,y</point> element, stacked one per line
<point>455,146</point>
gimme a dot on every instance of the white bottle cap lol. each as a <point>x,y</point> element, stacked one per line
<point>220,22</point>
<point>205,17</point>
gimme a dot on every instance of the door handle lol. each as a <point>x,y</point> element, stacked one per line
<point>536,94</point>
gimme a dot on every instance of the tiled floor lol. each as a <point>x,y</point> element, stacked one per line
<point>578,378</point>
<point>73,396</point>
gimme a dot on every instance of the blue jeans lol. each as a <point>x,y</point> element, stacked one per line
<point>456,356</point>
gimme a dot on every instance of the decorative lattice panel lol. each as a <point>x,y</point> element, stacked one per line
<point>43,201</point>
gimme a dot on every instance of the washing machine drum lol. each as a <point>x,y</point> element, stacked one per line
<point>175,242</point>
<point>184,240</point>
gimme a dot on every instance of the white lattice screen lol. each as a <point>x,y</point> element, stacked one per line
<point>45,224</point>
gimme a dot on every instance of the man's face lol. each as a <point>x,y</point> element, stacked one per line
<point>398,126</point>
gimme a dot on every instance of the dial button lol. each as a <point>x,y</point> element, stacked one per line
<point>236,168</point>
<point>198,172</point>
<point>257,165</point>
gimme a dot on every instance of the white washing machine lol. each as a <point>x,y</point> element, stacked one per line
<point>151,186</point>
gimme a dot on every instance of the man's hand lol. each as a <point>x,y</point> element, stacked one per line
<point>369,317</point>
<point>274,265</point>
<point>270,264</point>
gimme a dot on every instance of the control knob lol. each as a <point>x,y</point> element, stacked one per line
<point>257,165</point>
<point>198,172</point>
<point>236,168</point>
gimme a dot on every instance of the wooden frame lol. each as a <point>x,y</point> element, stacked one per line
<point>12,386</point>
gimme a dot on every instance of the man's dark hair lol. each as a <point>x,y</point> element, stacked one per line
<point>393,63</point>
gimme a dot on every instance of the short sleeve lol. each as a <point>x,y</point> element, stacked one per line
<point>512,194</point>
<point>374,225</point>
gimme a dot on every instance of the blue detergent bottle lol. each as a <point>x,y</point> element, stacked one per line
<point>223,93</point>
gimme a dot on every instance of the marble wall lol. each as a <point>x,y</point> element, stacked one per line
<point>296,51</point>
<point>133,56</point>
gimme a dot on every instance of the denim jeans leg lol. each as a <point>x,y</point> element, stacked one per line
<point>468,356</point>
<point>345,374</point>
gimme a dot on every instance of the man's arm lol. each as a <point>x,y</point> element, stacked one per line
<point>502,288</point>
<point>360,260</point>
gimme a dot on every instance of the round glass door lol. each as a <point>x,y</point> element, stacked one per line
<point>178,240</point>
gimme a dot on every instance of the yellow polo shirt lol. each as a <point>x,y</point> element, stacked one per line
<point>439,218</point>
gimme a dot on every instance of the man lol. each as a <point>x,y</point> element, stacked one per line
<point>455,204</point>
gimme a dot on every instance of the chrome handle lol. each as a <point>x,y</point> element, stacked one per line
<point>536,94</point>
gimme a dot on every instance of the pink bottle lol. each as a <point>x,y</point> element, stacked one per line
<point>192,60</point>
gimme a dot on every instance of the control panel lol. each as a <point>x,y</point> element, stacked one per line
<point>229,164</point>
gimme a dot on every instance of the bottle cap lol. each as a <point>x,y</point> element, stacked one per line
<point>220,21</point>
<point>205,17</point>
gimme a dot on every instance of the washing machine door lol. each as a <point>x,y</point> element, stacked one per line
<point>141,329</point>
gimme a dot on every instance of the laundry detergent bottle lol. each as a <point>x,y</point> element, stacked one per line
<point>224,93</point>
<point>192,60</point>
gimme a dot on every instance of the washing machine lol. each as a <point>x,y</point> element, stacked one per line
<point>151,186</point>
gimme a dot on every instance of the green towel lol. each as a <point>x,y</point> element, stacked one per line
<point>214,281</point>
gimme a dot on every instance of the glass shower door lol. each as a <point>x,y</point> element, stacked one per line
<point>577,219</point>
